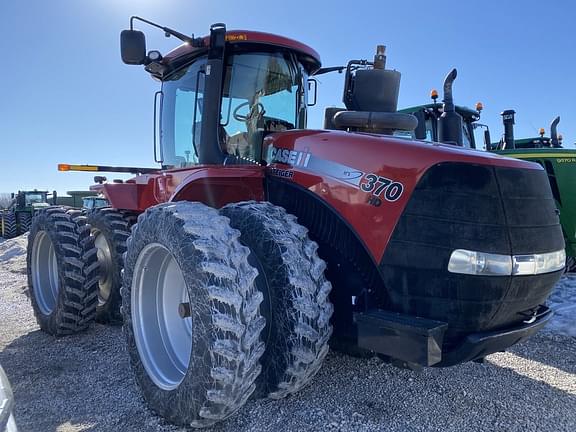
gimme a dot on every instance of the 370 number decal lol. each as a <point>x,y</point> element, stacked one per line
<point>379,185</point>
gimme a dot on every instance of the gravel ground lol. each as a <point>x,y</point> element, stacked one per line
<point>83,383</point>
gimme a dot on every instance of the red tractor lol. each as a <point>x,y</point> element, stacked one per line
<point>257,241</point>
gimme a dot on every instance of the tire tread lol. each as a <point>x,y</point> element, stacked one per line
<point>74,310</point>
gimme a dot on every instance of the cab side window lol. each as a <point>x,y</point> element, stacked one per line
<point>181,116</point>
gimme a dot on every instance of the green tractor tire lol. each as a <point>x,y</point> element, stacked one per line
<point>24,222</point>
<point>9,229</point>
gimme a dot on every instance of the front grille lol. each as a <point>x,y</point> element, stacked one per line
<point>475,207</point>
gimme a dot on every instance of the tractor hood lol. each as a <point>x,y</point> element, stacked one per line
<point>372,153</point>
<point>371,175</point>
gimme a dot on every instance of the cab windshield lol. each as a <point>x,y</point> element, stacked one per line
<point>262,92</point>
<point>35,198</point>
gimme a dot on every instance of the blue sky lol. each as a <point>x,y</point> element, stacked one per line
<point>67,97</point>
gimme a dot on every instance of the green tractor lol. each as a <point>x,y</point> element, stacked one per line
<point>463,121</point>
<point>508,142</point>
<point>16,219</point>
<point>559,163</point>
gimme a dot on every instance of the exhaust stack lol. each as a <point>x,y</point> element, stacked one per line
<point>508,120</point>
<point>554,141</point>
<point>450,120</point>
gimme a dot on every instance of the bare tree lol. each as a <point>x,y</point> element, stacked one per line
<point>5,200</point>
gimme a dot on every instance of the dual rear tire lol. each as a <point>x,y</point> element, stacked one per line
<point>62,271</point>
<point>74,267</point>
<point>14,224</point>
<point>110,229</point>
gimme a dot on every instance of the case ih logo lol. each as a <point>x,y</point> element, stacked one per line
<point>377,186</point>
<point>289,157</point>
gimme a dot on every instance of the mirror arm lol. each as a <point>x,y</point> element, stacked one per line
<point>325,70</point>
<point>198,42</point>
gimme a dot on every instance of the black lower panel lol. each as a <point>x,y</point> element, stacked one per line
<point>479,345</point>
<point>480,208</point>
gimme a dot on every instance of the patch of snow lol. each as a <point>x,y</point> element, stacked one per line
<point>563,303</point>
<point>13,248</point>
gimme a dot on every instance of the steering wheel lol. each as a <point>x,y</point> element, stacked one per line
<point>259,109</point>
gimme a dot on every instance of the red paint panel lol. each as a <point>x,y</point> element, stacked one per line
<point>212,185</point>
<point>216,185</point>
<point>399,160</point>
<point>136,194</point>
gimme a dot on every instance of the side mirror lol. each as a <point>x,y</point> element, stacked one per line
<point>313,87</point>
<point>133,47</point>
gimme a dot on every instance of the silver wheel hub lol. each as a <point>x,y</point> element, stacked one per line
<point>163,337</point>
<point>44,269</point>
<point>105,263</point>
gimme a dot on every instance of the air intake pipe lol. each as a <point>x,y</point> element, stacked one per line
<point>450,121</point>
<point>508,120</point>
<point>369,86</point>
<point>554,133</point>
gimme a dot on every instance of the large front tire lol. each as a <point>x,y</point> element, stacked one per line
<point>191,314</point>
<point>62,271</point>
<point>296,304</point>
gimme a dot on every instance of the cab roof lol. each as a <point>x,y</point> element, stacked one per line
<point>308,56</point>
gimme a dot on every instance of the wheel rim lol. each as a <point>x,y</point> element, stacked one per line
<point>44,268</point>
<point>105,263</point>
<point>163,338</point>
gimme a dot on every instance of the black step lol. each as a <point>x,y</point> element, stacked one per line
<point>403,337</point>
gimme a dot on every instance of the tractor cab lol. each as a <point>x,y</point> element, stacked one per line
<point>92,202</point>
<point>222,94</point>
<point>32,200</point>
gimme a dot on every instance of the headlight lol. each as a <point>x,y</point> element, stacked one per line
<point>485,264</point>
<point>479,263</point>
<point>7,423</point>
<point>539,263</point>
